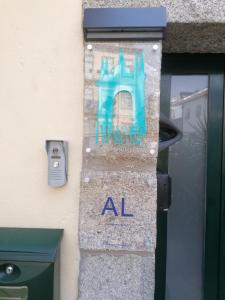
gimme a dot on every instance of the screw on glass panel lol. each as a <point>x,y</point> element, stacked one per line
<point>155,47</point>
<point>89,47</point>
<point>152,151</point>
<point>88,150</point>
<point>86,179</point>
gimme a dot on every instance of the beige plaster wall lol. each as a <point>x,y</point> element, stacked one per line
<point>41,82</point>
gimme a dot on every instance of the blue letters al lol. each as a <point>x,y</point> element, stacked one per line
<point>109,207</point>
<point>123,210</point>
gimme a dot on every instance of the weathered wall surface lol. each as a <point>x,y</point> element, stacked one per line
<point>194,26</point>
<point>190,11</point>
<point>41,98</point>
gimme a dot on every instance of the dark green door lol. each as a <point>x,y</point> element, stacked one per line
<point>189,249</point>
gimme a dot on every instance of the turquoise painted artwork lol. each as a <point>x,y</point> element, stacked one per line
<point>130,84</point>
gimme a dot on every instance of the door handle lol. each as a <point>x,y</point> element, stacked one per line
<point>169,134</point>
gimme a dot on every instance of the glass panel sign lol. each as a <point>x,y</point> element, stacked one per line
<point>121,98</point>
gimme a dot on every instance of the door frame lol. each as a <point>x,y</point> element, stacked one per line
<point>214,275</point>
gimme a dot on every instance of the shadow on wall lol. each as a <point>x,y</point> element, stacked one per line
<point>194,38</point>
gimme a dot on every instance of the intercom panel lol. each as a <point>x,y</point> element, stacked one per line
<point>57,162</point>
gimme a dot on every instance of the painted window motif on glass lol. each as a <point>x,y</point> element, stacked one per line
<point>121,100</point>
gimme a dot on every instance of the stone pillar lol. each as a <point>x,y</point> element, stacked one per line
<point>118,185</point>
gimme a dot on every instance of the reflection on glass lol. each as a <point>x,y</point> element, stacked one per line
<point>123,112</point>
<point>113,72</point>
<point>187,167</point>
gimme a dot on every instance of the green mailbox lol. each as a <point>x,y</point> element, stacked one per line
<point>29,263</point>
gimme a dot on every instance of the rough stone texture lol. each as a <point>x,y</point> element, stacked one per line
<point>126,155</point>
<point>137,233</point>
<point>189,11</point>
<point>113,3</point>
<point>116,277</point>
<point>194,38</point>
<point>194,26</point>
<point>118,252</point>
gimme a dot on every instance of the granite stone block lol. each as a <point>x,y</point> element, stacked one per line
<point>189,11</point>
<point>113,3</point>
<point>194,26</point>
<point>117,226</point>
<point>111,276</point>
<point>131,193</point>
<point>194,38</point>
